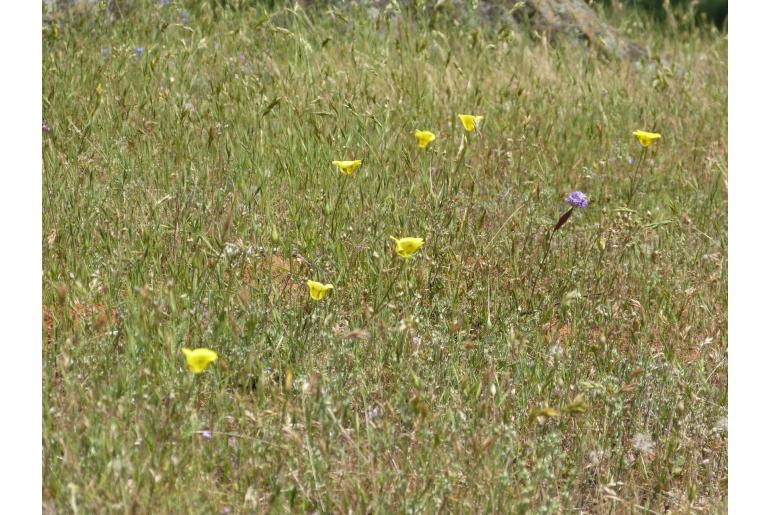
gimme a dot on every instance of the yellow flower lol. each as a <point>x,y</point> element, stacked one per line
<point>318,290</point>
<point>347,167</point>
<point>470,122</point>
<point>424,138</point>
<point>405,247</point>
<point>646,138</point>
<point>199,359</point>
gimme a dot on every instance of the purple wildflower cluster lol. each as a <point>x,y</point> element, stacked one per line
<point>577,199</point>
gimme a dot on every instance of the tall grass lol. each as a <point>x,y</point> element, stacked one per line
<point>189,195</point>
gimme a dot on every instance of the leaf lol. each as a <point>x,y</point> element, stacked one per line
<point>549,412</point>
<point>576,405</point>
<point>262,20</point>
<point>563,219</point>
<point>542,413</point>
<point>571,297</point>
<point>271,105</point>
<point>357,334</point>
<point>289,379</point>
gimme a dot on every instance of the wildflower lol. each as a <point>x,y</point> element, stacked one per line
<point>405,247</point>
<point>347,167</point>
<point>646,138</point>
<point>184,17</point>
<point>424,138</point>
<point>577,199</point>
<point>138,51</point>
<point>470,122</point>
<point>318,290</point>
<point>206,434</point>
<point>199,359</point>
<point>46,128</point>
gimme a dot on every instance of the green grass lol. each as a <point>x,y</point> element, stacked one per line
<point>189,196</point>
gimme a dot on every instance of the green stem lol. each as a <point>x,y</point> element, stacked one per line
<point>636,179</point>
<point>340,192</point>
<point>384,298</point>
<point>459,160</point>
<point>542,264</point>
<point>430,177</point>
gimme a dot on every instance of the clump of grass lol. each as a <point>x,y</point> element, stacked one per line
<point>189,197</point>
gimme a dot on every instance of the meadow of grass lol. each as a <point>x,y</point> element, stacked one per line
<point>188,195</point>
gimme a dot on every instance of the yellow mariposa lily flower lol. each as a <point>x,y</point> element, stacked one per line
<point>347,167</point>
<point>406,247</point>
<point>318,290</point>
<point>470,121</point>
<point>646,138</point>
<point>424,138</point>
<point>199,359</point>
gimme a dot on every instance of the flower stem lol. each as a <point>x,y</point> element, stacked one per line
<point>636,179</point>
<point>430,177</point>
<point>562,220</point>
<point>542,263</point>
<point>459,160</point>
<point>384,298</point>
<point>340,192</point>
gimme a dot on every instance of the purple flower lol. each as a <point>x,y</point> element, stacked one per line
<point>206,434</point>
<point>577,199</point>
<point>46,128</point>
<point>226,510</point>
<point>164,3</point>
<point>138,51</point>
<point>184,16</point>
